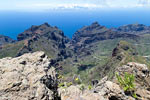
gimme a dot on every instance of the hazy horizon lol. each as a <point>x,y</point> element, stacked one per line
<point>69,15</point>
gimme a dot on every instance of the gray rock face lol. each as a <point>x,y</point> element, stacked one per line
<point>27,77</point>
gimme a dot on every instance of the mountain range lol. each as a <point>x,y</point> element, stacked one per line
<point>92,52</point>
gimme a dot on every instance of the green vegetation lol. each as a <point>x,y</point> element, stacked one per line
<point>11,50</point>
<point>69,84</point>
<point>127,83</point>
<point>82,87</point>
<point>89,87</point>
<point>61,85</point>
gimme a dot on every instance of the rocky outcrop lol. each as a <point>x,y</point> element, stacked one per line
<point>40,30</point>
<point>95,32</point>
<point>28,77</point>
<point>5,40</point>
<point>44,37</point>
<point>74,93</point>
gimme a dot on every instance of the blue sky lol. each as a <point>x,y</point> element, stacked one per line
<point>69,4</point>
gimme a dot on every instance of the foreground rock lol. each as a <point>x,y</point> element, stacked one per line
<point>27,77</point>
<point>74,93</point>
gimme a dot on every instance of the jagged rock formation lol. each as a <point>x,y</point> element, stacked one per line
<point>95,38</point>
<point>5,40</point>
<point>96,33</point>
<point>28,77</point>
<point>44,37</point>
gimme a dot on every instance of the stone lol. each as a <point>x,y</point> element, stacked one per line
<point>74,93</point>
<point>27,77</point>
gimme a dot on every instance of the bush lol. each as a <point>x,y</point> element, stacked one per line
<point>61,85</point>
<point>89,87</point>
<point>69,84</point>
<point>77,80</point>
<point>82,87</point>
<point>127,83</point>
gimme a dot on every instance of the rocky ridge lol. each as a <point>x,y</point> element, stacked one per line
<point>44,37</point>
<point>86,38</point>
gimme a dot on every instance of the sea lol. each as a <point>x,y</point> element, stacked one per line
<point>69,21</point>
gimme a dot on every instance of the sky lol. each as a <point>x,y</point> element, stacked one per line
<point>38,5</point>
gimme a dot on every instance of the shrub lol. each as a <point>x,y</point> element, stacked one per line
<point>82,87</point>
<point>61,85</point>
<point>60,77</point>
<point>77,80</point>
<point>127,83</point>
<point>89,87</point>
<point>69,84</point>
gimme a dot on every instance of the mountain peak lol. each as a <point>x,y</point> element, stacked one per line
<point>37,30</point>
<point>95,24</point>
<point>46,24</point>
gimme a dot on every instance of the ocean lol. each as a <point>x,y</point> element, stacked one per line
<point>69,21</point>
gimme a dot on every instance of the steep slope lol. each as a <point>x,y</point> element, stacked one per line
<point>44,37</point>
<point>90,35</point>
<point>5,40</point>
<point>122,54</point>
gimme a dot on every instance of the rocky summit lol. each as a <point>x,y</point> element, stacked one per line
<point>28,77</point>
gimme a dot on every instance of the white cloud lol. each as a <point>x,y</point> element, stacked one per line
<point>71,4</point>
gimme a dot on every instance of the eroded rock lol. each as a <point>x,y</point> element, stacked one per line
<point>27,77</point>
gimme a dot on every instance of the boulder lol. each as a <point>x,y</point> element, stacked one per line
<point>27,77</point>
